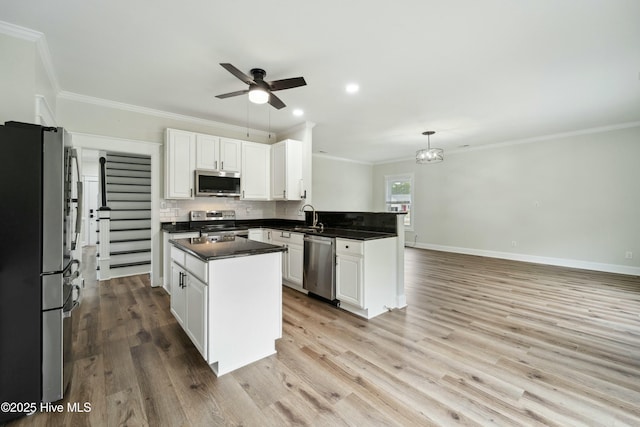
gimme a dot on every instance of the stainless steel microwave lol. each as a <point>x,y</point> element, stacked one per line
<point>217,183</point>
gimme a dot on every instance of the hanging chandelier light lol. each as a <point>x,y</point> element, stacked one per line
<point>429,155</point>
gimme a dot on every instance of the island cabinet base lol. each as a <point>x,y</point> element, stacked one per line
<point>244,310</point>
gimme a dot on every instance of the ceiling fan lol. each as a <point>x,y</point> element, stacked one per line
<point>260,90</point>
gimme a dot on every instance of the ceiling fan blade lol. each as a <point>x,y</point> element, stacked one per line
<point>287,83</point>
<point>276,102</point>
<point>230,94</point>
<point>239,74</point>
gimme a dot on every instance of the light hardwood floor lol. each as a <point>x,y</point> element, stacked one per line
<point>483,341</point>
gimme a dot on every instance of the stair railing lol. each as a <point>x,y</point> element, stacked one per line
<point>104,224</point>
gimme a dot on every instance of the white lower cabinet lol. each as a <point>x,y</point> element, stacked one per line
<point>189,302</point>
<point>178,296</point>
<point>349,283</point>
<point>366,275</point>
<point>167,277</point>
<point>260,235</point>
<point>255,234</point>
<point>196,299</point>
<point>293,259</point>
<point>295,263</point>
<point>230,307</point>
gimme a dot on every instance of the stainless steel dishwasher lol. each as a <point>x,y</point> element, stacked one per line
<point>319,275</point>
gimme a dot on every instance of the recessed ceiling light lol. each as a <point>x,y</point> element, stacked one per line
<point>298,112</point>
<point>352,88</point>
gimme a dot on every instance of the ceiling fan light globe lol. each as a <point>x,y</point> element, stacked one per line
<point>258,96</point>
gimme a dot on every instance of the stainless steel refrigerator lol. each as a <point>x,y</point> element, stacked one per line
<point>40,195</point>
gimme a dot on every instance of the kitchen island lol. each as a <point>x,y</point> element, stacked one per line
<point>227,296</point>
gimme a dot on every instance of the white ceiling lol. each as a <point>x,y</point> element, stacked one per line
<point>476,72</point>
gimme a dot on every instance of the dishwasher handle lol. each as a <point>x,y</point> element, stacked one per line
<point>320,240</point>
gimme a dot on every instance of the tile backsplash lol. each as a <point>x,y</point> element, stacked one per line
<point>178,210</point>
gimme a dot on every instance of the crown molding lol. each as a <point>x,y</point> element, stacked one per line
<point>561,135</point>
<point>19,32</point>
<point>101,102</point>
<point>40,40</point>
<point>531,140</point>
<point>47,63</point>
<point>341,159</point>
<point>300,127</point>
<point>44,113</point>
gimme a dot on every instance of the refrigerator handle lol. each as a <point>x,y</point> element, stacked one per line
<point>78,228</point>
<point>76,302</point>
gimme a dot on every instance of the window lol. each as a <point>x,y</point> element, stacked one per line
<point>399,195</point>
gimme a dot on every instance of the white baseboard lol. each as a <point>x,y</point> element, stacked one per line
<point>561,262</point>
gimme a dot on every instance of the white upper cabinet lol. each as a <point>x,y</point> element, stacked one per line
<point>268,172</point>
<point>217,153</point>
<point>230,155</point>
<point>286,171</point>
<point>180,156</point>
<point>207,151</point>
<point>254,178</point>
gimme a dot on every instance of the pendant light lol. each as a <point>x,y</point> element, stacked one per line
<point>429,155</point>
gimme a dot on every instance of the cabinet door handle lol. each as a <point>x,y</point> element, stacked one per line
<point>243,194</point>
<point>284,194</point>
<point>222,165</point>
<point>215,164</point>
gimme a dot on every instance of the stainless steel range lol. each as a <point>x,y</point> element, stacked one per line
<point>217,223</point>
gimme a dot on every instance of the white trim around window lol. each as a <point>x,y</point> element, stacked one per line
<point>400,200</point>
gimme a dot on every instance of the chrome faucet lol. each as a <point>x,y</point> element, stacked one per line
<point>314,215</point>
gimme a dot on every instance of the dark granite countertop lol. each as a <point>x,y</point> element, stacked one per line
<point>341,233</point>
<point>211,251</point>
<point>357,232</point>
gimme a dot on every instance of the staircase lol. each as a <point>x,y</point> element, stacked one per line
<point>127,193</point>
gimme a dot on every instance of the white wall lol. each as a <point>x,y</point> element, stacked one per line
<point>342,185</point>
<point>27,89</point>
<point>44,87</point>
<point>568,201</point>
<point>88,115</point>
<point>17,79</point>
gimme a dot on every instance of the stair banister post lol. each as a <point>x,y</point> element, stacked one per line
<point>104,250</point>
<point>104,227</point>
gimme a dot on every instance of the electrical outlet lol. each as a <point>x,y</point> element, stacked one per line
<point>628,255</point>
<point>514,243</point>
